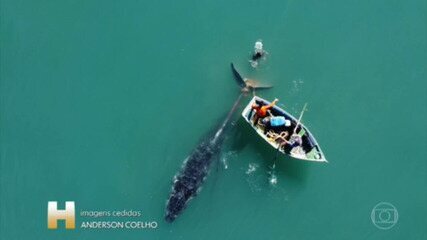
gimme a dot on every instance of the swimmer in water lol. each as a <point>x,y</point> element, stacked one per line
<point>258,53</point>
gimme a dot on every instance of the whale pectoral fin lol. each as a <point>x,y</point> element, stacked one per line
<point>263,86</point>
<point>240,80</point>
<point>257,85</point>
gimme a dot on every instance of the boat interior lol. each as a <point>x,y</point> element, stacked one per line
<point>298,142</point>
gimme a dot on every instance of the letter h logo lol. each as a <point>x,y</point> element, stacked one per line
<point>68,214</point>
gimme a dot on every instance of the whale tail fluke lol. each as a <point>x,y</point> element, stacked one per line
<point>247,83</point>
<point>240,80</point>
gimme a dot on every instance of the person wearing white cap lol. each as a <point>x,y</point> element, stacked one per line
<point>258,53</point>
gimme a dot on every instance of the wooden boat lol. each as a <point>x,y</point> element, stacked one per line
<point>283,138</point>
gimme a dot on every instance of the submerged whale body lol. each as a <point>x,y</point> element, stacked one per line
<point>189,181</point>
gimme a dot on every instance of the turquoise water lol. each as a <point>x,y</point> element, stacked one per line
<point>101,101</point>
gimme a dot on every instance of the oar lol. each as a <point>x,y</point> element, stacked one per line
<point>300,117</point>
<point>277,154</point>
<point>272,173</point>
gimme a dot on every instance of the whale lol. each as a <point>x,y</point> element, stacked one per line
<point>188,181</point>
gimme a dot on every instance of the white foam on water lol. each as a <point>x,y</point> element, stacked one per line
<point>252,168</point>
<point>272,179</point>
<point>226,157</point>
<point>224,163</point>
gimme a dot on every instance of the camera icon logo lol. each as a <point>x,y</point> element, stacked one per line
<point>384,215</point>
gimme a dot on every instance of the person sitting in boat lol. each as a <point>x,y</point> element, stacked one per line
<point>276,123</point>
<point>294,141</point>
<point>261,110</point>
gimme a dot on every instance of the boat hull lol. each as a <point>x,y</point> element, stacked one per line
<point>310,149</point>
